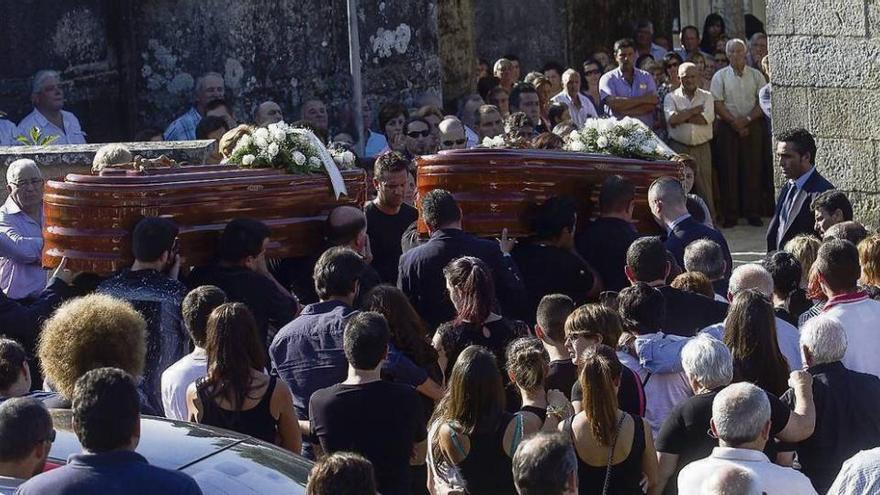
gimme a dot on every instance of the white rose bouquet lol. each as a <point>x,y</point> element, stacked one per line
<point>286,147</point>
<point>626,138</point>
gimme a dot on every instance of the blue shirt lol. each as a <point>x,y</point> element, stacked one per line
<point>109,473</point>
<point>184,127</point>
<point>614,84</point>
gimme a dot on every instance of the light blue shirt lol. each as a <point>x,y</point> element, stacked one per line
<point>8,131</point>
<point>859,474</point>
<point>71,134</point>
<point>614,84</point>
<point>21,248</point>
<point>800,181</point>
<point>677,221</point>
<point>184,127</point>
<point>376,144</point>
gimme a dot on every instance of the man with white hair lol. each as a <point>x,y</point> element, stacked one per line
<point>579,106</point>
<point>707,257</point>
<point>690,112</point>
<point>755,276</point>
<point>21,232</point>
<point>209,87</point>
<point>740,136</point>
<point>48,115</point>
<point>741,422</point>
<point>267,113</point>
<point>452,135</point>
<point>546,464</point>
<point>730,480</point>
<point>708,366</point>
<point>110,155</point>
<point>847,404</point>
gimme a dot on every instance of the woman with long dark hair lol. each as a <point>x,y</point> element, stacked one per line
<point>472,439</point>
<point>750,334</point>
<point>615,450</point>
<point>713,29</point>
<point>237,394</point>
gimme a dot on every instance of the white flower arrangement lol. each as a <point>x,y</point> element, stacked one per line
<point>626,138</point>
<point>494,142</point>
<point>291,148</point>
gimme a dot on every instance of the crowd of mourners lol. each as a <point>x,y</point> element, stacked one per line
<point>587,358</point>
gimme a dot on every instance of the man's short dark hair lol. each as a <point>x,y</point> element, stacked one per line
<point>197,307</point>
<point>624,43</point>
<point>643,306</point>
<point>555,215</point>
<point>519,89</point>
<point>209,124</point>
<point>553,66</point>
<point>24,424</point>
<point>853,232</point>
<point>153,236</point>
<point>336,272</point>
<point>415,119</point>
<point>342,473</point>
<point>512,57</point>
<point>552,312</point>
<point>616,194</point>
<point>389,163</point>
<point>833,200</point>
<point>366,340</point>
<point>12,357</point>
<point>439,208</point>
<point>106,409</point>
<point>544,464</point>
<point>646,257</point>
<point>241,238</point>
<point>838,263</point>
<point>786,272</point>
<point>801,139</point>
<point>695,29</point>
<point>217,103</point>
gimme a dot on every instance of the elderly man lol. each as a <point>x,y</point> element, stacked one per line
<point>314,112</point>
<point>21,232</point>
<point>708,366</point>
<point>690,113</point>
<point>757,51</point>
<point>505,72</point>
<point>209,87</point>
<point>267,113</point>
<point>741,421</point>
<point>26,436</point>
<point>452,135</point>
<point>489,121</point>
<point>628,90</point>
<point>48,116</point>
<point>579,106</point>
<point>644,40</point>
<point>546,464</point>
<point>740,136</point>
<point>838,392</point>
<point>707,257</point>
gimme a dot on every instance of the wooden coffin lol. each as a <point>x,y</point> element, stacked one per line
<point>500,188</point>
<point>89,219</point>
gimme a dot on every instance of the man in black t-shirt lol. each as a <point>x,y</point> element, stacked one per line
<point>378,419</point>
<point>388,216</point>
<point>552,312</point>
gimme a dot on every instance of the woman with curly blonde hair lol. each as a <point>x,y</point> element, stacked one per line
<point>95,331</point>
<point>869,258</point>
<point>805,248</point>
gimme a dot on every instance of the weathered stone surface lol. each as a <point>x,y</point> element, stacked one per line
<point>455,23</point>
<point>816,17</point>
<point>850,164</point>
<point>845,113</point>
<point>533,30</point>
<point>791,107</point>
<point>866,208</point>
<point>837,62</point>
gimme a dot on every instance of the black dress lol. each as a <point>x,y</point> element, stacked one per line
<point>625,475</point>
<point>487,469</point>
<point>256,422</point>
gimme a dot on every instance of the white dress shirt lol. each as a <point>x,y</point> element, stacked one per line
<point>859,316</point>
<point>177,378</point>
<point>859,474</point>
<point>71,134</point>
<point>787,337</point>
<point>690,134</point>
<point>739,93</point>
<point>578,115</point>
<point>771,478</point>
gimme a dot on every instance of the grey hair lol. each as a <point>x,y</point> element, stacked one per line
<point>708,361</point>
<point>669,190</point>
<point>24,423</point>
<point>739,413</point>
<point>543,464</point>
<point>110,154</point>
<point>40,79</point>
<point>730,480</point>
<point>568,73</point>
<point>686,66</point>
<point>751,276</point>
<point>13,171</point>
<point>755,37</point>
<point>824,338</point>
<point>705,256</point>
<point>500,63</point>
<point>728,48</point>
<point>200,82</point>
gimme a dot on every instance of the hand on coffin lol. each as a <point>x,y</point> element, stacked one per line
<point>62,273</point>
<point>506,244</point>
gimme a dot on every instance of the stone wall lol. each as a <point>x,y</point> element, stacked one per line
<point>534,30</point>
<point>826,73</point>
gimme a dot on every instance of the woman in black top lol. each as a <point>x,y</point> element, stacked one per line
<point>527,367</point>
<point>237,394</point>
<point>614,449</point>
<point>472,439</point>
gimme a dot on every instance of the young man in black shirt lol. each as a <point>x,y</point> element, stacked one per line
<point>388,216</point>
<point>380,420</point>
<point>552,312</point>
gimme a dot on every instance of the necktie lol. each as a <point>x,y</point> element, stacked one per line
<point>787,204</point>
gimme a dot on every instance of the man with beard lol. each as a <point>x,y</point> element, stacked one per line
<point>387,215</point>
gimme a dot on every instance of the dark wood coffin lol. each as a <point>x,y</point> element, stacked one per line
<point>89,219</point>
<point>500,188</point>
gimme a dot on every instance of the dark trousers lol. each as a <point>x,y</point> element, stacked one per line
<point>739,165</point>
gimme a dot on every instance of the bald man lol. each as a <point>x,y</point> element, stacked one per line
<point>21,232</point>
<point>267,113</point>
<point>452,136</point>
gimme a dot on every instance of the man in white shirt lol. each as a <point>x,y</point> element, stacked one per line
<point>196,308</point>
<point>740,136</point>
<point>48,116</point>
<point>690,113</point>
<point>741,422</point>
<point>21,232</point>
<point>860,474</point>
<point>579,106</point>
<point>838,270</point>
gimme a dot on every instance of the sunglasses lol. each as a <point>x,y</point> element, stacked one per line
<point>418,134</point>
<point>457,142</point>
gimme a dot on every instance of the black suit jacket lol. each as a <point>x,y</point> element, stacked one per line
<point>603,244</point>
<point>688,313</point>
<point>688,231</point>
<point>801,220</point>
<point>422,280</point>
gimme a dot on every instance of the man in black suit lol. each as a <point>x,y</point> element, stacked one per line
<point>421,268</point>
<point>668,204</point>
<point>796,150</point>
<point>686,313</point>
<point>604,241</point>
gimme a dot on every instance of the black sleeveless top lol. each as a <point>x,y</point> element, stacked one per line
<point>256,422</point>
<point>625,475</point>
<point>487,469</point>
<point>537,411</point>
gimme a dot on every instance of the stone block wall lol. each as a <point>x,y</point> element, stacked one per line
<point>825,62</point>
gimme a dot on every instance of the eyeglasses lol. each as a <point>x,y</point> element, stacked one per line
<point>418,134</point>
<point>456,142</point>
